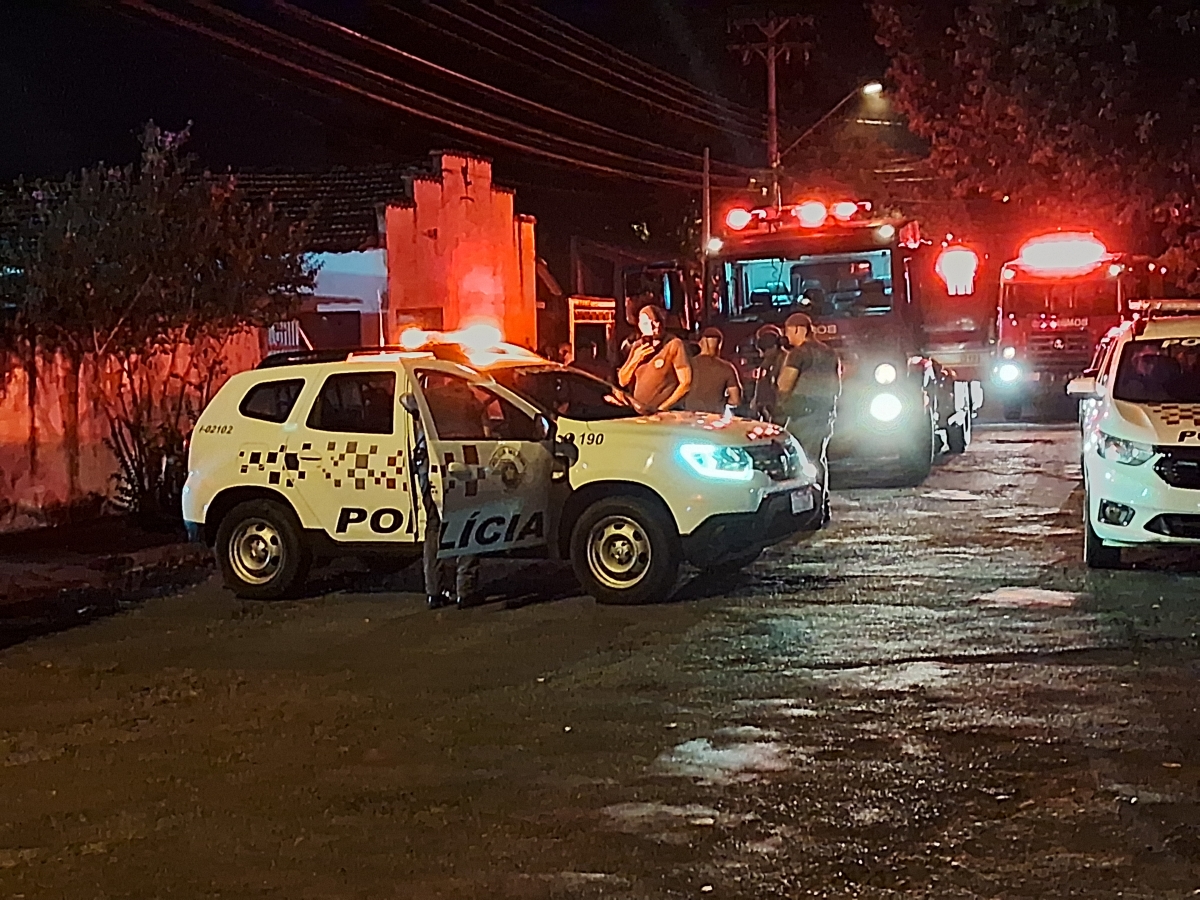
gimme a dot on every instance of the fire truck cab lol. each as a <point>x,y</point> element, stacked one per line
<point>851,272</point>
<point>1058,298</point>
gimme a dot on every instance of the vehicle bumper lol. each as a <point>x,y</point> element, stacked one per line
<point>1162,514</point>
<point>730,535</point>
<point>195,531</point>
<point>1034,381</point>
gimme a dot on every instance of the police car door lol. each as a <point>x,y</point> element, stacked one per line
<point>355,452</point>
<point>491,461</point>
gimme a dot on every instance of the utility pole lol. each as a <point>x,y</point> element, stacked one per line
<point>775,44</point>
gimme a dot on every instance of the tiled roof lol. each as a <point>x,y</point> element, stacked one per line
<point>347,201</point>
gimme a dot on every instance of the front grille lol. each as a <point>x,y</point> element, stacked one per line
<point>1175,525</point>
<point>1066,347</point>
<point>1179,467</point>
<point>778,459</point>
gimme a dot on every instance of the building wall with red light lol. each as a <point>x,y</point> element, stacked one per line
<point>35,487</point>
<point>458,254</point>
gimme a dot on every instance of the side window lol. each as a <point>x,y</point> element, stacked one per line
<point>465,412</point>
<point>358,402</point>
<point>271,401</point>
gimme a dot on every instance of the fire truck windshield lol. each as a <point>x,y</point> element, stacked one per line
<point>1158,372</point>
<point>828,285</point>
<point>1061,298</point>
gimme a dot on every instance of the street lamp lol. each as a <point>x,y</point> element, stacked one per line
<point>870,89</point>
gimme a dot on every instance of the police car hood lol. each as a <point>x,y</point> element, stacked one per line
<point>1152,423</point>
<point>696,425</point>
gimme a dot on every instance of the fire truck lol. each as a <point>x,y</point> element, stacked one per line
<point>1058,298</point>
<point>859,277</point>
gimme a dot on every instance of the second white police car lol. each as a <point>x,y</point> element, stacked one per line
<point>311,456</point>
<point>1141,433</point>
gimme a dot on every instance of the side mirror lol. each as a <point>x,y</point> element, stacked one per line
<point>409,402</point>
<point>1082,388</point>
<point>545,429</point>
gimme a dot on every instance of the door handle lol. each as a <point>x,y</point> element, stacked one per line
<point>460,470</point>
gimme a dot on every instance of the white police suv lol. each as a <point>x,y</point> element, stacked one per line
<point>311,455</point>
<point>1141,434</point>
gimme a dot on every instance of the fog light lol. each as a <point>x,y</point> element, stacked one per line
<point>1115,513</point>
<point>1009,352</point>
<point>885,373</point>
<point>886,407</point>
<point>1008,373</point>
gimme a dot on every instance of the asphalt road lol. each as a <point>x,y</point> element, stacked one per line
<point>884,710</point>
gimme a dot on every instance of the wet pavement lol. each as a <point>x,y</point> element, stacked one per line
<point>932,698</point>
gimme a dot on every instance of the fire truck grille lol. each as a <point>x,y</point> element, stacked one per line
<point>1179,467</point>
<point>1064,347</point>
<point>779,460</point>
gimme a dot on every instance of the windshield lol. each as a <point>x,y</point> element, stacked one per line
<point>1084,298</point>
<point>827,285</point>
<point>568,392</point>
<point>1163,371</point>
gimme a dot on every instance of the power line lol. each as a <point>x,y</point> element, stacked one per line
<point>640,98</point>
<point>460,127</point>
<point>462,108</point>
<point>699,110</point>
<point>522,102</point>
<point>566,31</point>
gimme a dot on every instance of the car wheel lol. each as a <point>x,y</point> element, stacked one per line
<point>625,550</point>
<point>260,550</point>
<point>1095,554</point>
<point>915,468</point>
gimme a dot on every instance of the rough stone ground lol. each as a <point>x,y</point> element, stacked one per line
<point>882,711</point>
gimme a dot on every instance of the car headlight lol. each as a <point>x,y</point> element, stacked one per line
<point>715,461</point>
<point>885,373</point>
<point>1008,373</point>
<point>1009,352</point>
<point>1131,453</point>
<point>886,407</point>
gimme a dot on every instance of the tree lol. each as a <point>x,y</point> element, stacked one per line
<point>144,272</point>
<point>1071,111</point>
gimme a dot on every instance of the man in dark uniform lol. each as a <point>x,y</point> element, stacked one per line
<point>769,341</point>
<point>808,387</point>
<point>715,382</point>
<point>657,371</point>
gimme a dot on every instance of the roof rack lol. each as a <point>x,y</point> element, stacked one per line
<point>302,357</point>
<point>1175,306</point>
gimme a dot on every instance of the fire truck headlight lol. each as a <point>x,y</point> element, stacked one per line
<point>717,462</point>
<point>1009,352</point>
<point>886,407</point>
<point>1008,373</point>
<point>885,373</point>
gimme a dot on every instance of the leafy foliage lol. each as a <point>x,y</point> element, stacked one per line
<point>1077,111</point>
<point>143,273</point>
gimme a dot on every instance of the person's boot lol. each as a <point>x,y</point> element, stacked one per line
<point>438,601</point>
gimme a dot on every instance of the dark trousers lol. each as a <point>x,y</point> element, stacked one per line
<point>813,432</point>
<point>457,577</point>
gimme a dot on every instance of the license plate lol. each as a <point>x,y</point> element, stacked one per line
<point>802,501</point>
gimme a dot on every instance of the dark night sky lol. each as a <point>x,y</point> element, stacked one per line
<point>77,78</point>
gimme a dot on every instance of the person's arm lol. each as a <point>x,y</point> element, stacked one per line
<point>788,376</point>
<point>733,389</point>
<point>683,373</point>
<point>637,355</point>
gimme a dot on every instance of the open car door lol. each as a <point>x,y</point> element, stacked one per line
<point>490,461</point>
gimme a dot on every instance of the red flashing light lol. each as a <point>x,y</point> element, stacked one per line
<point>812,213</point>
<point>738,218</point>
<point>1062,253</point>
<point>845,210</point>
<point>957,267</point>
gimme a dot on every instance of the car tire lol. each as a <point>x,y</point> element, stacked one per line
<point>1095,554</point>
<point>916,467</point>
<point>625,550</point>
<point>260,550</point>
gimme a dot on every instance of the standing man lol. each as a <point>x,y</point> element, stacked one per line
<point>769,340</point>
<point>715,382</point>
<point>657,370</point>
<point>807,391</point>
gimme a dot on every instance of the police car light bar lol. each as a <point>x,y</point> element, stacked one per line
<point>1166,307</point>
